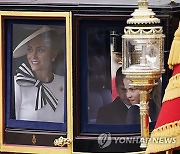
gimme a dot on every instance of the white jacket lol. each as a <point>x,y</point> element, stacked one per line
<point>25,101</point>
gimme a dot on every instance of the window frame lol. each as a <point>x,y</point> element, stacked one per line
<point>90,137</point>
<point>35,135</point>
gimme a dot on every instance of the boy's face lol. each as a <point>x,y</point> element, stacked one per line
<point>131,92</point>
<point>122,94</point>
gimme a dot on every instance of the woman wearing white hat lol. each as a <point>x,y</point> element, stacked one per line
<point>39,93</point>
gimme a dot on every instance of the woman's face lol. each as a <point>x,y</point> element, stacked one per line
<point>39,54</point>
<point>131,92</point>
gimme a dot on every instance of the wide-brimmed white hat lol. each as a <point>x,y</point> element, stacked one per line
<point>22,47</point>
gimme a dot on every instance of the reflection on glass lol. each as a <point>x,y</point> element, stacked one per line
<point>152,56</point>
<point>143,53</point>
<point>107,98</point>
<point>39,88</point>
<point>116,58</point>
<point>99,92</point>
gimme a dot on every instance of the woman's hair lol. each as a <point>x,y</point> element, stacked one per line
<point>57,42</point>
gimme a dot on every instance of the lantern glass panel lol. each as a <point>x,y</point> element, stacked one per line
<point>142,53</point>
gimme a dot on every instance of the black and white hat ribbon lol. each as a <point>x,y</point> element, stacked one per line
<point>25,77</point>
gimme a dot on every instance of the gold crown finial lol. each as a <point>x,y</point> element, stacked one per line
<point>143,4</point>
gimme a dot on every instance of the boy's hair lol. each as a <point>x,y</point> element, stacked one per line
<point>119,77</point>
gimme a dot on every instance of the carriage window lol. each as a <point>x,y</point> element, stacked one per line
<point>36,79</point>
<point>104,98</point>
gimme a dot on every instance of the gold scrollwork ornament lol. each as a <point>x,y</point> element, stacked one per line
<point>62,141</point>
<point>34,139</point>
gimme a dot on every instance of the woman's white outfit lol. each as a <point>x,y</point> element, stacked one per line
<point>25,102</point>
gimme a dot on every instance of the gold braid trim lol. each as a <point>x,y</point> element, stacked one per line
<point>164,138</point>
<point>174,56</point>
<point>173,88</point>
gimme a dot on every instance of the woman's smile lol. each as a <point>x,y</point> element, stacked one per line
<point>35,62</point>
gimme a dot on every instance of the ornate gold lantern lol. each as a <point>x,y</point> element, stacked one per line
<point>142,47</point>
